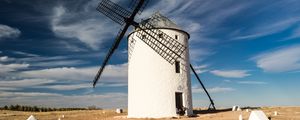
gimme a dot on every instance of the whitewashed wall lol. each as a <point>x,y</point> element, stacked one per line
<point>152,81</point>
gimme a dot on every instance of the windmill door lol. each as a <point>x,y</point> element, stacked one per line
<point>179,103</point>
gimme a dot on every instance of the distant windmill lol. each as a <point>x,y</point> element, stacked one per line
<point>158,65</point>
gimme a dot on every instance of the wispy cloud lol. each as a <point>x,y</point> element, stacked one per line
<point>295,34</point>
<point>81,25</point>
<point>25,54</point>
<point>5,59</point>
<point>279,60</point>
<point>111,72</point>
<point>75,86</point>
<point>107,100</point>
<point>201,68</point>
<point>59,63</point>
<point>199,55</point>
<point>68,87</point>
<point>252,82</point>
<point>268,29</point>
<point>197,89</point>
<point>24,83</point>
<point>231,73</point>
<point>228,81</point>
<point>5,68</point>
<point>27,94</point>
<point>8,88</point>
<point>8,32</point>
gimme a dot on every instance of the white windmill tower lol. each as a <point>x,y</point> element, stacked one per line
<point>158,69</point>
<point>157,88</point>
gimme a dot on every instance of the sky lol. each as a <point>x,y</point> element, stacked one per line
<point>247,53</point>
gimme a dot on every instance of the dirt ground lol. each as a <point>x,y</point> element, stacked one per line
<point>284,113</point>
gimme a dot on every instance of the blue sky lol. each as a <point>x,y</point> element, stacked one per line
<point>246,52</point>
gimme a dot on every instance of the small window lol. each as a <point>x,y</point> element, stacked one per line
<point>176,37</point>
<point>177,66</point>
<point>143,36</point>
<point>160,35</point>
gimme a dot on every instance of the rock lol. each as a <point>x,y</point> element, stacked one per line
<point>240,117</point>
<point>275,113</point>
<point>31,117</point>
<point>258,115</point>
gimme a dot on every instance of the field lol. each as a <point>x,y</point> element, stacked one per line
<point>284,113</point>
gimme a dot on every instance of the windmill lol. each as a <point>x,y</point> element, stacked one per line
<point>158,64</point>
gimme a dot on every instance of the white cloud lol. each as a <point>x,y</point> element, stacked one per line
<point>212,90</point>
<point>24,83</point>
<point>252,82</point>
<point>227,81</point>
<point>201,68</point>
<point>8,88</point>
<point>26,94</point>
<point>106,100</point>
<point>8,32</point>
<point>68,87</point>
<point>268,29</point>
<point>279,60</point>
<point>197,54</point>
<point>58,63</point>
<point>231,73</point>
<point>183,13</point>
<point>116,73</point>
<point>5,68</point>
<point>25,54</point>
<point>295,34</point>
<point>81,25</point>
<point>82,86</point>
<point>5,59</point>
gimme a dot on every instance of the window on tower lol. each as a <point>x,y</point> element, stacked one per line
<point>176,37</point>
<point>160,35</point>
<point>177,66</point>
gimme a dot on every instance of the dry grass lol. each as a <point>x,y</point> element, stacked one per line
<point>285,113</point>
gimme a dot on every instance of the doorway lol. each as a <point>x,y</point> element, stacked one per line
<point>179,103</point>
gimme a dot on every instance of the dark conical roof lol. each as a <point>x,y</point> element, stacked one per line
<point>160,21</point>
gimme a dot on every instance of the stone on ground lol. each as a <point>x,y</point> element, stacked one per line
<point>258,115</point>
<point>31,117</point>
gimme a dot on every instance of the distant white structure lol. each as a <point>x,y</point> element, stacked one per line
<point>275,113</point>
<point>119,110</point>
<point>31,117</point>
<point>240,117</point>
<point>258,115</point>
<point>157,88</point>
<point>235,108</point>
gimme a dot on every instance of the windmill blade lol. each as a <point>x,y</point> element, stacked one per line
<point>134,3</point>
<point>111,51</point>
<point>212,104</point>
<point>113,11</point>
<point>120,35</point>
<point>167,47</point>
